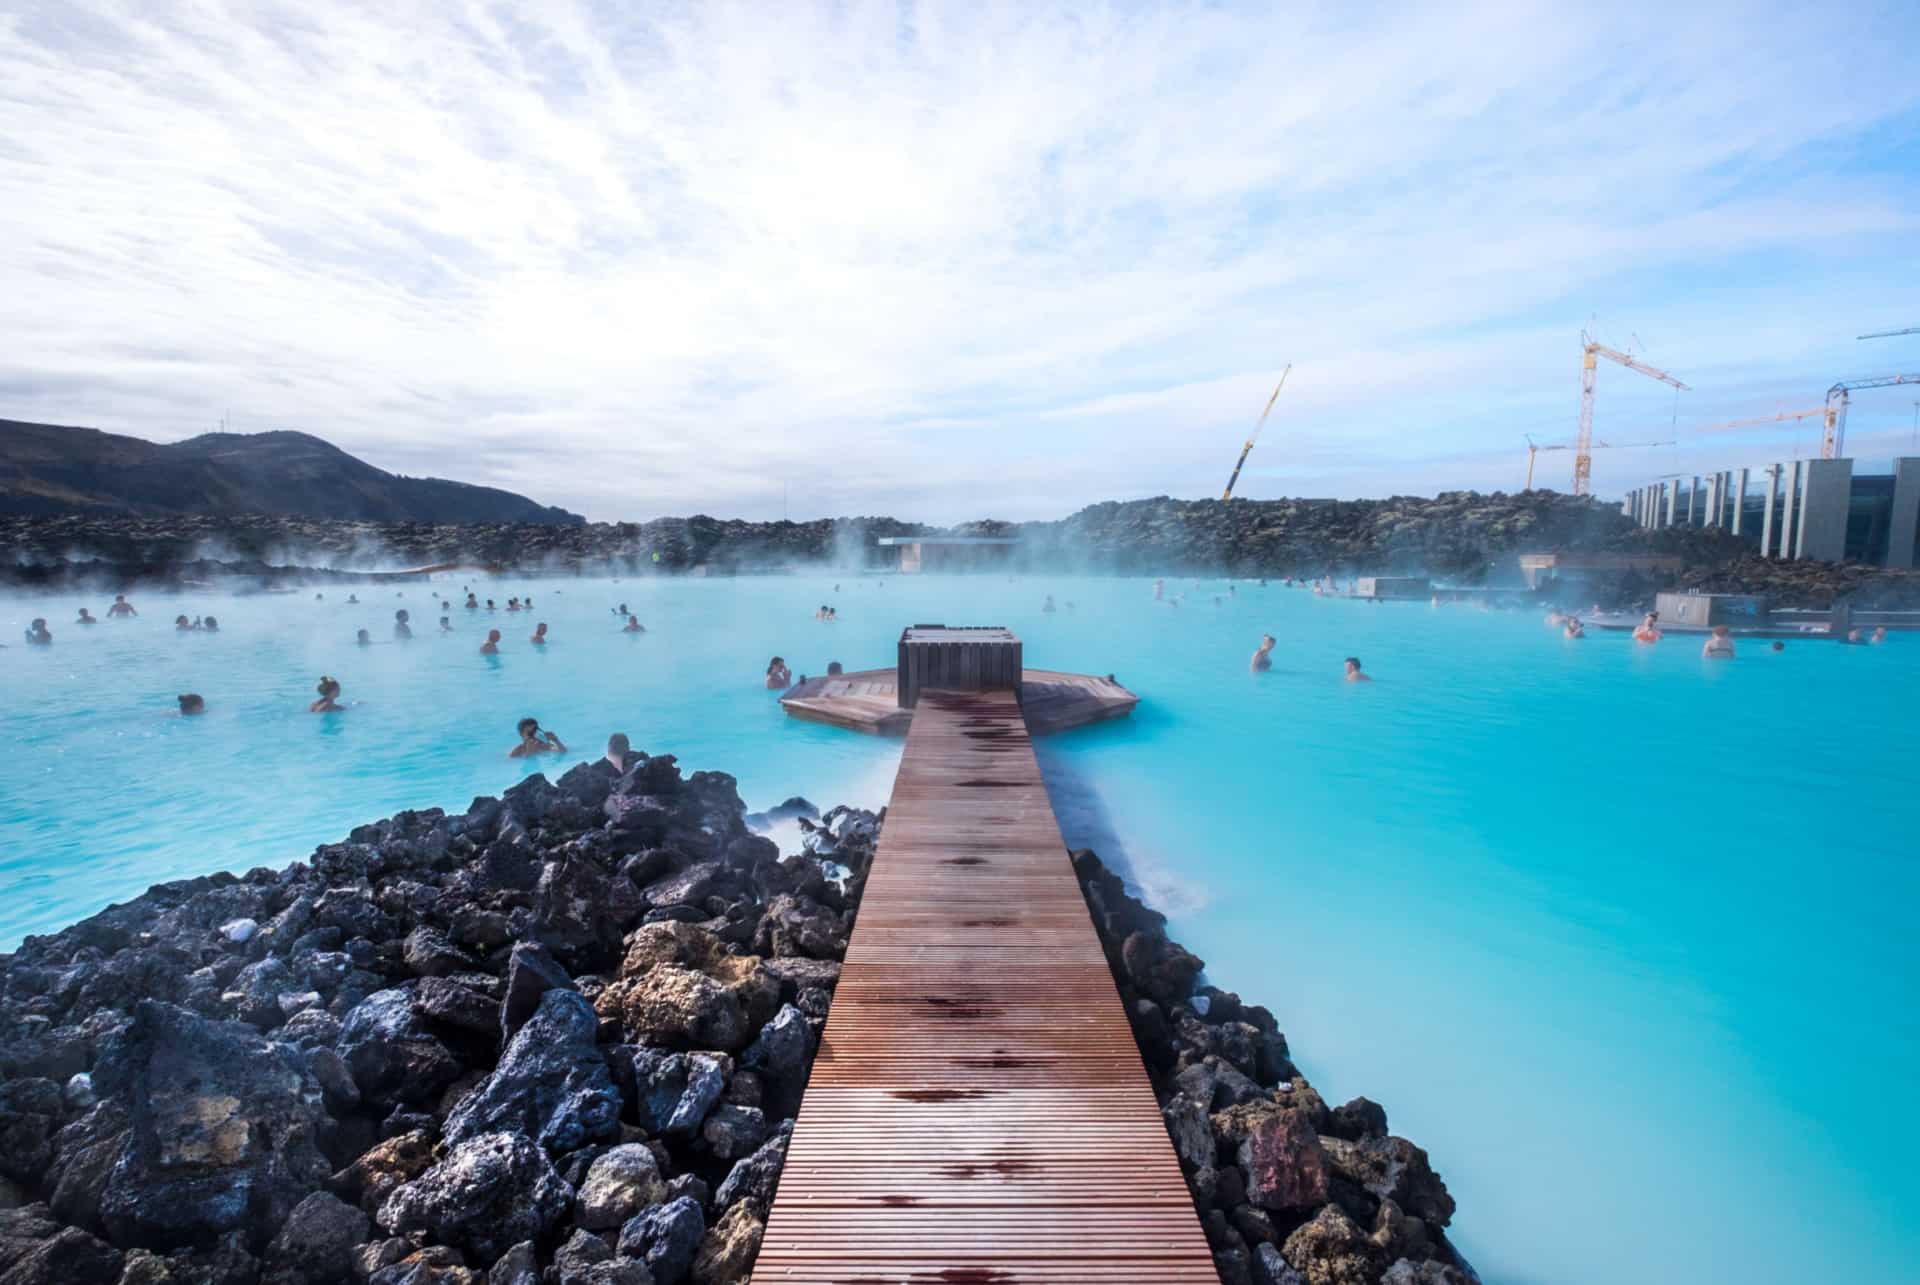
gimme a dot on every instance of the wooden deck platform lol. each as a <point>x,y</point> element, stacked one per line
<point>978,1111</point>
<point>865,701</point>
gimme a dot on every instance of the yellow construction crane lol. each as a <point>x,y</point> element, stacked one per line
<point>1533,449</point>
<point>1260,424</point>
<point>1590,349</point>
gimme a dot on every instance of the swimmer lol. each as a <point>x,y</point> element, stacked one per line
<point>633,626</point>
<point>121,607</point>
<point>181,625</point>
<point>353,599</point>
<point>1879,635</point>
<point>618,749</point>
<point>779,678</point>
<point>1778,645</point>
<point>1574,628</point>
<point>513,604</point>
<point>490,606</point>
<point>1262,655</point>
<point>822,613</point>
<point>319,597</point>
<point>491,647</point>
<point>1353,671</point>
<point>1719,646</point>
<point>1649,630</point>
<point>401,629</point>
<point>192,703</point>
<point>1853,637</point>
<point>539,638</point>
<point>87,618</point>
<point>1218,601</point>
<point>38,634</point>
<point>833,613</point>
<point>526,604</point>
<point>211,625</point>
<point>473,603</point>
<point>834,669</point>
<point>1049,604</point>
<point>363,638</point>
<point>534,741</point>
<point>1159,587</point>
<point>329,702</point>
<point>446,625</point>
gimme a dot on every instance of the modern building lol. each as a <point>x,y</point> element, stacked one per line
<point>1858,510</point>
<point>950,552</point>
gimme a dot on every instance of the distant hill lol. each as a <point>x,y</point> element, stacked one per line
<point>47,469</point>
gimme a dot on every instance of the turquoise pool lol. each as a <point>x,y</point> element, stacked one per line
<point>1624,939</point>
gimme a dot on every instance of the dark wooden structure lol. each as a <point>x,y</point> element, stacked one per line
<point>978,1110</point>
<point>962,658</point>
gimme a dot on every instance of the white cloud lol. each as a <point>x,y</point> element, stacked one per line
<point>693,259</point>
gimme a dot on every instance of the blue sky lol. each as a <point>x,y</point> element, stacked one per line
<point>951,260</point>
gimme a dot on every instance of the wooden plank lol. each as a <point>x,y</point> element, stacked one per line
<point>978,1110</point>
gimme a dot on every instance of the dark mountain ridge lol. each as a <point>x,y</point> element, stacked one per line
<point>52,470</point>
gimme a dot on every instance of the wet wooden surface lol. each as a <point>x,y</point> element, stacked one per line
<point>978,1111</point>
<point>865,701</point>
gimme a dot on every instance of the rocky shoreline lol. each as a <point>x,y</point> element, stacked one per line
<point>560,1039</point>
<point>1463,538</point>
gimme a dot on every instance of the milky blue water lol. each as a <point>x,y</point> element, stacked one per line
<point>1625,939</point>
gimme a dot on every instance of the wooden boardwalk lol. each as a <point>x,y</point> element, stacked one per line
<point>978,1112</point>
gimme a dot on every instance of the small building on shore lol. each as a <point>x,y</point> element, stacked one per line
<point>1536,569</point>
<point>1739,611</point>
<point>920,553</point>
<point>1392,587</point>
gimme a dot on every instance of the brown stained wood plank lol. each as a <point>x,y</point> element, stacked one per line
<point>978,1110</point>
<point>865,701</point>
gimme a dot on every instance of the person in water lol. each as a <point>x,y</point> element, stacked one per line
<point>1159,588</point>
<point>473,603</point>
<point>1262,655</point>
<point>329,702</point>
<point>1853,637</point>
<point>121,607</point>
<point>210,625</point>
<point>1574,628</point>
<point>513,604</point>
<point>181,625</point>
<point>38,634</point>
<point>87,618</point>
<point>1878,636</point>
<point>619,749</point>
<point>1048,605</point>
<point>779,678</point>
<point>539,638</point>
<point>1353,671</point>
<point>192,703</point>
<point>446,625</point>
<point>1649,630</point>
<point>491,647</point>
<point>401,629</point>
<point>363,638</point>
<point>1719,645</point>
<point>1555,619</point>
<point>534,741</point>
<point>490,606</point>
<point>633,626</point>
<point>353,599</point>
<point>1778,645</point>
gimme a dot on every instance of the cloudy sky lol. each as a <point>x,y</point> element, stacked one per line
<point>954,260</point>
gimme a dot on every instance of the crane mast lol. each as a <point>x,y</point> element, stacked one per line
<point>1255,435</point>
<point>1591,350</point>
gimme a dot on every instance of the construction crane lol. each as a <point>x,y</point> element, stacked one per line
<point>1533,450</point>
<point>1890,334</point>
<point>1260,424</point>
<point>1834,439</point>
<point>1590,349</point>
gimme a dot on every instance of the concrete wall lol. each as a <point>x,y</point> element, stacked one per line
<point>1905,518</point>
<point>1824,504</point>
